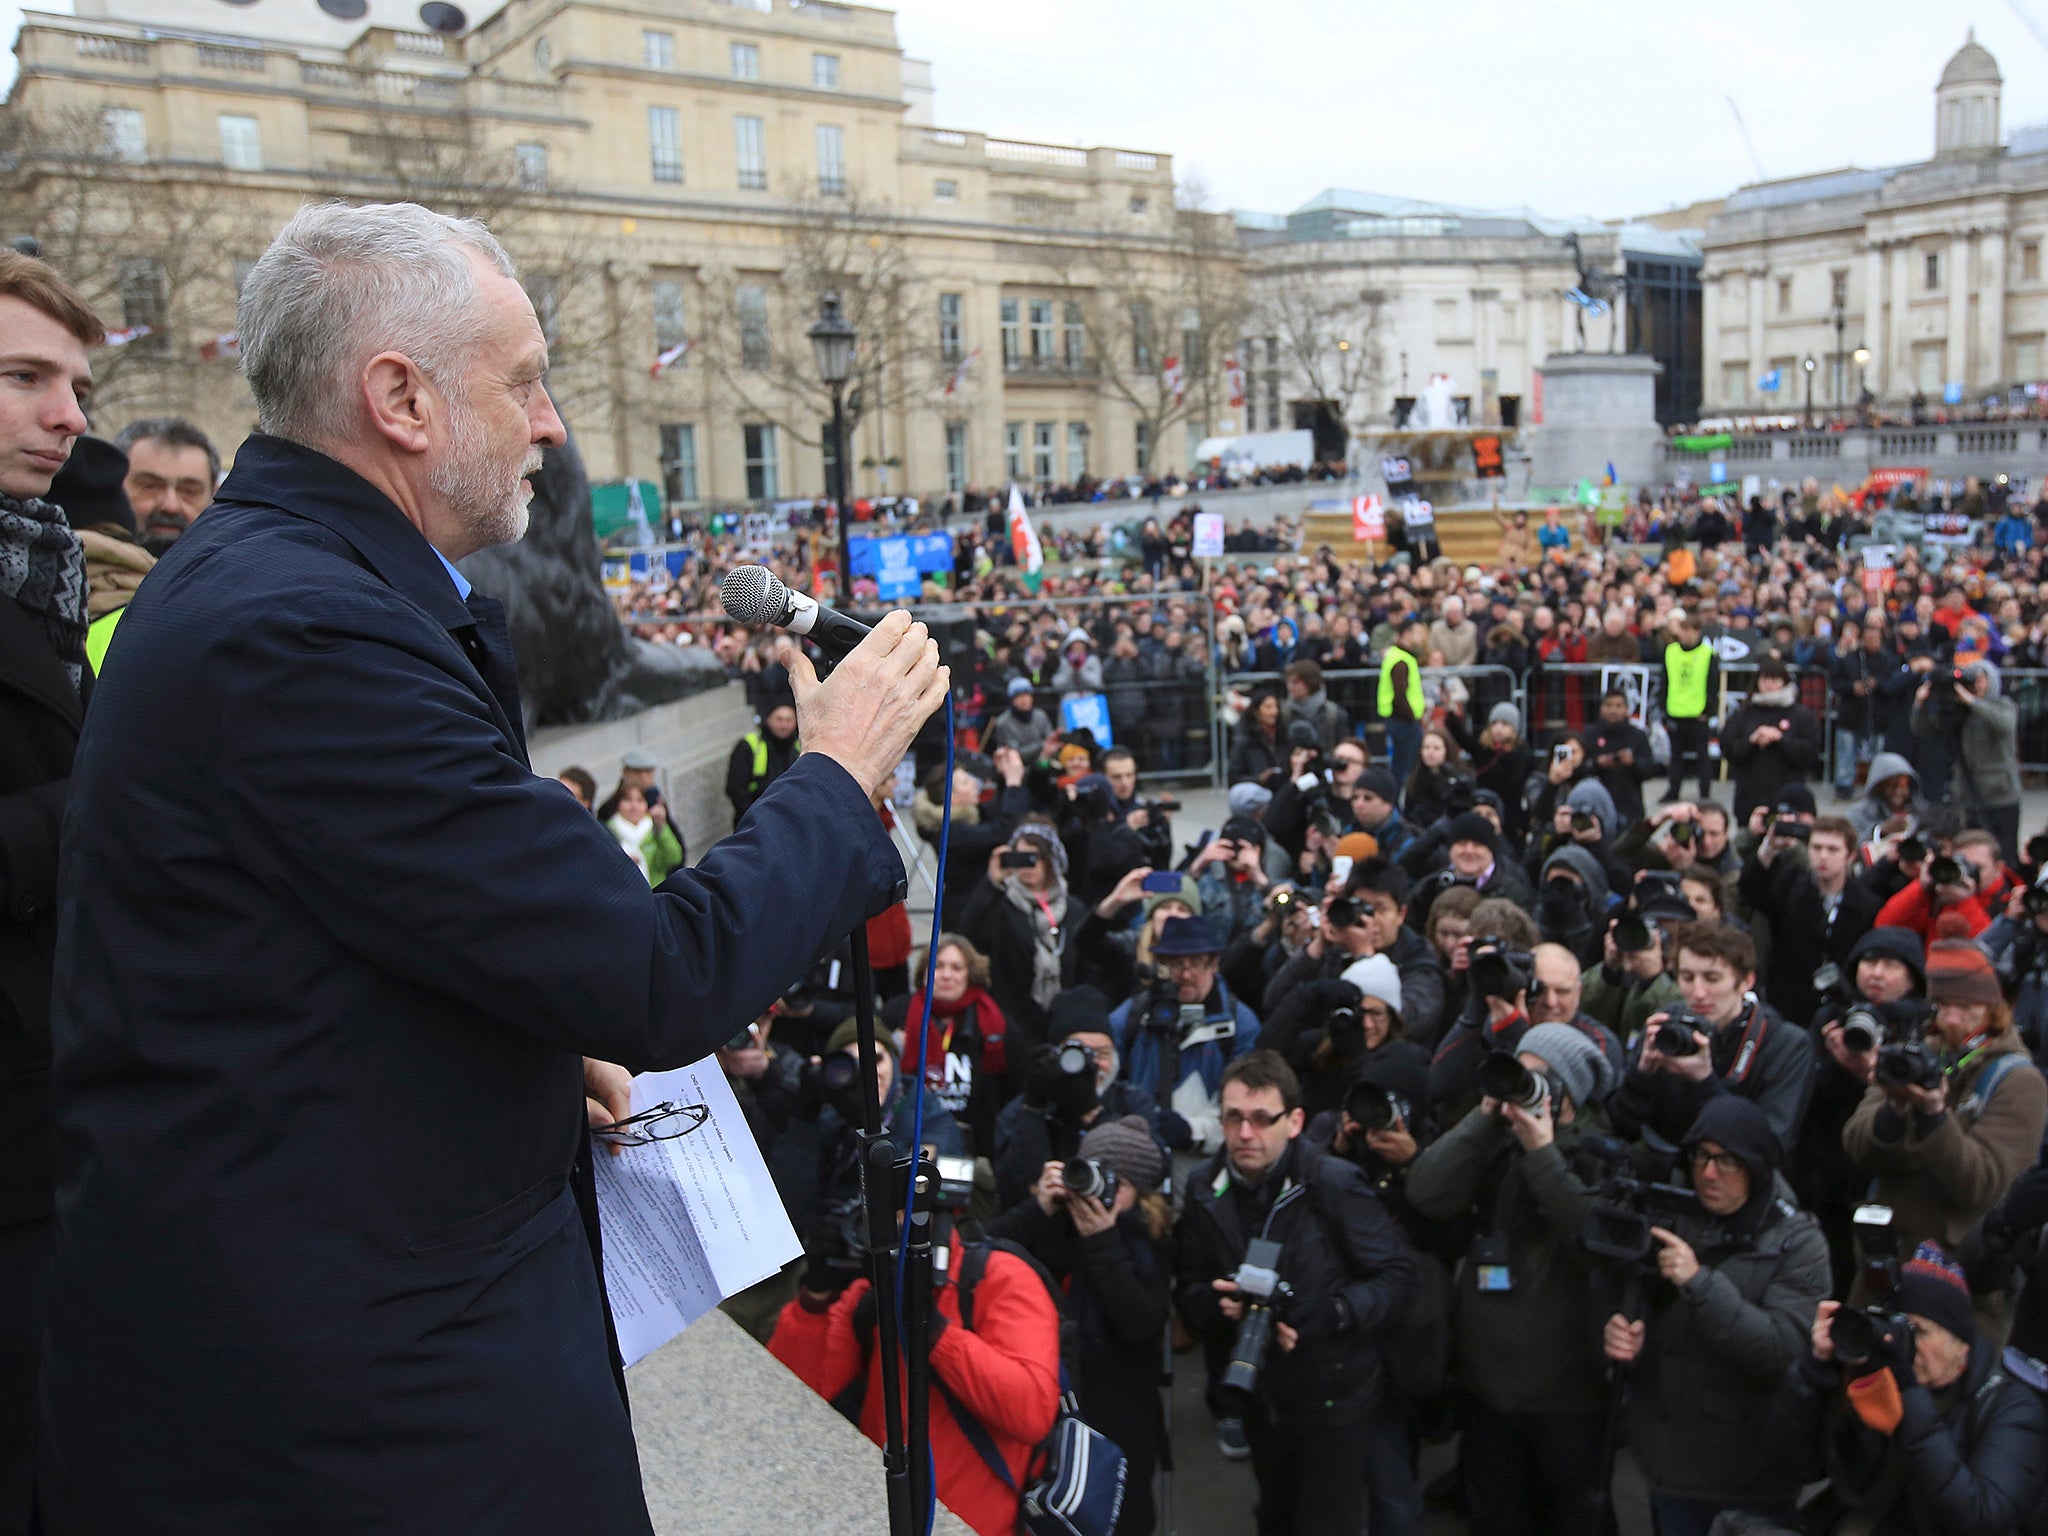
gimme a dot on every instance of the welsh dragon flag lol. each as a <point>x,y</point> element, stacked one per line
<point>1024,542</point>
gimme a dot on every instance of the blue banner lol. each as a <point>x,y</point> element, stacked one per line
<point>1090,712</point>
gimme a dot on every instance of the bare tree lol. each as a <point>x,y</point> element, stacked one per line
<point>1332,333</point>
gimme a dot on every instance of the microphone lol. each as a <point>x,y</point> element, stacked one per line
<point>755,595</point>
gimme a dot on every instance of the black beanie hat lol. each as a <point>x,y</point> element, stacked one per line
<point>1076,1011</point>
<point>1471,827</point>
<point>90,486</point>
<point>1932,1286</point>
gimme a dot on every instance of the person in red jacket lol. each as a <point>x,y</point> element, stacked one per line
<point>1005,1372</point>
<point>1977,898</point>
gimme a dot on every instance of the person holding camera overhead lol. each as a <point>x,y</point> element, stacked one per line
<point>1024,920</point>
<point>1176,1037</point>
<point>1770,742</point>
<point>1968,705</point>
<point>1924,1432</point>
<point>1723,1041</point>
<point>1968,880</point>
<point>1947,1124</point>
<point>1289,1262</point>
<point>1097,1221</point>
<point>1729,1307</point>
<point>1523,1321</point>
<point>2017,942</point>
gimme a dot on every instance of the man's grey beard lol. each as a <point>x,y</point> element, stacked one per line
<point>488,503</point>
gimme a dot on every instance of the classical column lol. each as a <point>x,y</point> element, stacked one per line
<point>1957,277</point>
<point>1710,340</point>
<point>1759,356</point>
<point>1878,372</point>
<point>1989,372</point>
<point>1901,349</point>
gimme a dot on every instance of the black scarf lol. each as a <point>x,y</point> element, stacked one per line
<point>42,567</point>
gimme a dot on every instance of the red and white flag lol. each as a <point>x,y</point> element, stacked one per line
<point>960,371</point>
<point>669,359</point>
<point>228,344</point>
<point>122,338</point>
<point>1172,378</point>
<point>1233,383</point>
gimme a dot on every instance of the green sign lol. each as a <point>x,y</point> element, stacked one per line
<point>611,505</point>
<point>1705,442</point>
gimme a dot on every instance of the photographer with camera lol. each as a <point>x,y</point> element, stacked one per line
<point>1723,1041</point>
<point>1876,995</point>
<point>1375,808</point>
<point>1150,820</point>
<point>1176,1037</point>
<point>1371,917</point>
<point>1572,909</point>
<point>1330,1030</point>
<point>1002,1372</point>
<point>1097,1221</point>
<point>1231,869</point>
<point>1949,1122</point>
<point>1772,741</point>
<point>1255,960</point>
<point>1968,707</point>
<point>1910,1416</point>
<point>1622,757</point>
<point>1729,1310</point>
<point>1810,905</point>
<point>1971,882</point>
<point>1071,1084</point>
<point>1523,1322</point>
<point>1633,981</point>
<point>978,831</point>
<point>1290,1263</point>
<point>1315,791</point>
<point>2017,942</point>
<point>1022,917</point>
<point>1892,790</point>
<point>1496,1017</point>
<point>1117,936</point>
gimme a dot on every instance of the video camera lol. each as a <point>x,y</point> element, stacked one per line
<point>1628,1203</point>
<point>1860,1335</point>
<point>844,1221</point>
<point>1949,712</point>
<point>1165,1013</point>
<point>1266,1297</point>
<point>1499,970</point>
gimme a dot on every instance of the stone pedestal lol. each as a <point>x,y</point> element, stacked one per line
<point>1599,408</point>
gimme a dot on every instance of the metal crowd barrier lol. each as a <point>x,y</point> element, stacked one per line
<point>1357,690</point>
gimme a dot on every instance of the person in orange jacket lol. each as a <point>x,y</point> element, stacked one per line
<point>1977,898</point>
<point>1004,1371</point>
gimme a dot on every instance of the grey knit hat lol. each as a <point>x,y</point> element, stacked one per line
<point>1127,1146</point>
<point>1583,1068</point>
<point>1505,712</point>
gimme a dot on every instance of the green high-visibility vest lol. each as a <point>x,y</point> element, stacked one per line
<point>1416,703</point>
<point>757,739</point>
<point>1685,680</point>
<point>100,636</point>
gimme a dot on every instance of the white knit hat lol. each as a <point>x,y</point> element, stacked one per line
<point>1376,976</point>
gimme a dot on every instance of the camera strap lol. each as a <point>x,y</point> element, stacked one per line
<point>1751,1047</point>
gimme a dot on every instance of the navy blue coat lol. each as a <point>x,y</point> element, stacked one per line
<point>329,955</point>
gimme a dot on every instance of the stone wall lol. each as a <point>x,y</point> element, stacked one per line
<point>1599,408</point>
<point>692,738</point>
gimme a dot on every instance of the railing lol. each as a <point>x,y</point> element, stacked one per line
<point>1357,691</point>
<point>1816,447</point>
<point>1891,443</point>
<point>93,45</point>
<point>1136,160</point>
<point>1086,367</point>
<point>427,44</point>
<point>1040,154</point>
<point>945,138</point>
<point>1987,439</point>
<point>221,56</point>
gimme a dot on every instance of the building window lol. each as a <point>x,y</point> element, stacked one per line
<point>122,131</point>
<point>945,191</point>
<point>831,160</point>
<point>825,71</point>
<point>1013,451</point>
<point>143,303</point>
<point>1930,366</point>
<point>2026,357</point>
<point>665,142</point>
<point>949,327</point>
<point>1734,383</point>
<point>1931,270</point>
<point>752,303</point>
<point>1273,402</point>
<point>1077,452</point>
<point>1013,335</point>
<point>1138,205</point>
<point>1142,442</point>
<point>530,164</point>
<point>1041,331</point>
<point>669,331</point>
<point>1141,334</point>
<point>679,462</point>
<point>658,51</point>
<point>2030,261</point>
<point>763,482</point>
<point>750,146</point>
<point>543,55</point>
<point>1784,295</point>
<point>545,291</point>
<point>746,61</point>
<point>241,143</point>
<point>1041,451</point>
<point>956,456</point>
<point>1076,336</point>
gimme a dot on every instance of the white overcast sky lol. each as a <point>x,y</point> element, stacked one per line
<point>1603,107</point>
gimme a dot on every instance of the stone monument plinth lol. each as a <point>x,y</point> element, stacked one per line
<point>1599,408</point>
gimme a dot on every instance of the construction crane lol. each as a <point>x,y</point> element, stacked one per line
<point>1747,143</point>
<point>2027,20</point>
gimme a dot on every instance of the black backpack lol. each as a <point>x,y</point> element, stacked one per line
<point>1416,1341</point>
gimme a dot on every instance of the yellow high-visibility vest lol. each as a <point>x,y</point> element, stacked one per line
<point>1685,680</point>
<point>100,636</point>
<point>1416,704</point>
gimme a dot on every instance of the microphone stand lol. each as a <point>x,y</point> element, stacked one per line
<point>917,1324</point>
<point>878,1201</point>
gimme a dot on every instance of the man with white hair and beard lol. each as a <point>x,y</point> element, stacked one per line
<point>341,983</point>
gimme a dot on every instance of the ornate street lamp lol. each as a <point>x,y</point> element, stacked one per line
<point>834,342</point>
<point>1809,365</point>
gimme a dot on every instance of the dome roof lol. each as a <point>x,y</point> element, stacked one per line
<point>1972,65</point>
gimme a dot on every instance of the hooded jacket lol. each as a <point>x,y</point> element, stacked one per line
<point>1717,1346</point>
<point>1988,745</point>
<point>1870,812</point>
<point>1576,924</point>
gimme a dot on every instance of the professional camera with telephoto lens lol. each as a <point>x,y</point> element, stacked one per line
<point>1373,1108</point>
<point>1944,869</point>
<point>1159,805</point>
<point>1460,795</point>
<point>1682,833</point>
<point>2034,899</point>
<point>1503,1078</point>
<point>1265,1296</point>
<point>1165,1013</point>
<point>1907,1064</point>
<point>1682,1034</point>
<point>1061,1080</point>
<point>1786,829</point>
<point>1830,985</point>
<point>1584,821</point>
<point>1862,1334</point>
<point>832,1082</point>
<point>1090,1177</point>
<point>1862,1029</point>
<point>1499,970</point>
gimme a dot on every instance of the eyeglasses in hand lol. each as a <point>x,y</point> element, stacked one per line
<point>664,1122</point>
